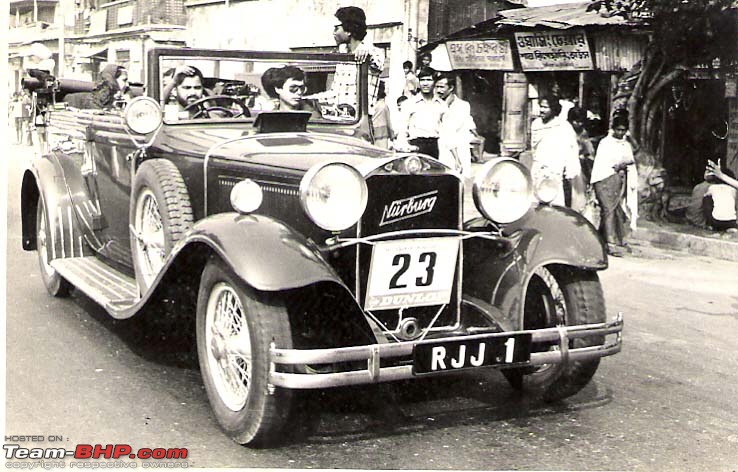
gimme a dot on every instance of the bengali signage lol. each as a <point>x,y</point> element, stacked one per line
<point>554,50</point>
<point>487,54</point>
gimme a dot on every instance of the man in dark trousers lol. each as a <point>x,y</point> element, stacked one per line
<point>420,120</point>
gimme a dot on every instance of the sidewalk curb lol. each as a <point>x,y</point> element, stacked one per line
<point>692,244</point>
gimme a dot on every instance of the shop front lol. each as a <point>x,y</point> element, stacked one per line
<point>506,63</point>
<point>579,65</point>
<point>481,65</point>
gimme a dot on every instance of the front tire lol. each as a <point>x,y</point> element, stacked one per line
<point>55,284</point>
<point>560,296</point>
<point>230,313</point>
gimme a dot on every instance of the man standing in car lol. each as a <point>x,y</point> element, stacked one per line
<point>349,35</point>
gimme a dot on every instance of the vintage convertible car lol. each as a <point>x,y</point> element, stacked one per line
<point>308,257</point>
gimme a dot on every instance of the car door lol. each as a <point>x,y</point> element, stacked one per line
<point>111,151</point>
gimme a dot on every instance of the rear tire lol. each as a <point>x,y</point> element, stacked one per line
<point>560,296</point>
<point>229,312</point>
<point>55,284</point>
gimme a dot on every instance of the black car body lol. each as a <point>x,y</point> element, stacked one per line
<point>309,257</point>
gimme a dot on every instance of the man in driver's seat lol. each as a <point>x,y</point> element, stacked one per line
<point>188,88</point>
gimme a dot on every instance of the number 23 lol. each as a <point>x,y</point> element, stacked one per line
<point>403,261</point>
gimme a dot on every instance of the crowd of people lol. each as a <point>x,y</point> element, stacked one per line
<point>431,118</point>
<point>593,175</point>
<point>600,181</point>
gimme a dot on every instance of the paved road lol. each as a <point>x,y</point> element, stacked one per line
<point>667,402</point>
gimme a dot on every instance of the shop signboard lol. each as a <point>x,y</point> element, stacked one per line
<point>554,50</point>
<point>486,54</point>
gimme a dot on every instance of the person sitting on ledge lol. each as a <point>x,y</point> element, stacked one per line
<point>720,198</point>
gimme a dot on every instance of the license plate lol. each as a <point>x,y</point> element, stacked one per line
<point>442,356</point>
<point>411,272</point>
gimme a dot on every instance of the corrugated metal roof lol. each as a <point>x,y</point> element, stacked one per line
<point>562,16</point>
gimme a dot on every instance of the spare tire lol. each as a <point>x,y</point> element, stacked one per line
<point>160,215</point>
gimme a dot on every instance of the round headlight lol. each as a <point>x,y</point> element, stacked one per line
<point>502,190</point>
<point>143,115</point>
<point>333,195</point>
<point>547,190</point>
<point>246,196</point>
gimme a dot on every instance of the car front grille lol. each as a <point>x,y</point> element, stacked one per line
<point>410,202</point>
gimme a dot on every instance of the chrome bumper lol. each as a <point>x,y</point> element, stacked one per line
<point>373,353</point>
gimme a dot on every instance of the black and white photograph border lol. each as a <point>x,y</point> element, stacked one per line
<point>79,383</point>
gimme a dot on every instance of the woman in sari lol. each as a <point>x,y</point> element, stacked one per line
<point>613,162</point>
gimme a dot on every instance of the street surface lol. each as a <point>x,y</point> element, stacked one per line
<point>669,401</point>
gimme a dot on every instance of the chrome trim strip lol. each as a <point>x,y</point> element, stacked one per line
<point>82,216</point>
<point>51,228</point>
<point>71,231</point>
<point>60,217</point>
<point>502,276</point>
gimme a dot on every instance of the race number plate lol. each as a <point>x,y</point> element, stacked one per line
<point>411,272</point>
<point>442,356</point>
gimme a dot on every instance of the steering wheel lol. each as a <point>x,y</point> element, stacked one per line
<point>219,104</point>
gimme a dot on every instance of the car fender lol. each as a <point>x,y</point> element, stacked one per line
<point>498,271</point>
<point>263,252</point>
<point>46,178</point>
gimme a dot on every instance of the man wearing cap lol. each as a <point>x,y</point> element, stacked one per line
<point>349,34</point>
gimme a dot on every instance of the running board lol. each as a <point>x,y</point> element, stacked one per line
<point>112,289</point>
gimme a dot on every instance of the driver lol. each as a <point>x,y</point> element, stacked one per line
<point>186,87</point>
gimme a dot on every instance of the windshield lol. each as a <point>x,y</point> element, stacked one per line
<point>200,88</point>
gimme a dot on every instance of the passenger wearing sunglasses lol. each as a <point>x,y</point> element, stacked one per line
<point>287,85</point>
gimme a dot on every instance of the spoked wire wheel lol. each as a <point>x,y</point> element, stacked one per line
<point>150,238</point>
<point>236,327</point>
<point>225,324</point>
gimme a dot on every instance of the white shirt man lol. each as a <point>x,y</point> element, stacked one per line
<point>420,120</point>
<point>555,151</point>
<point>455,132</point>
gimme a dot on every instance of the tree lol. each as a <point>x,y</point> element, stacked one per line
<point>684,33</point>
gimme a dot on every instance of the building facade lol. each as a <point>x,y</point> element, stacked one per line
<point>36,21</point>
<point>82,35</point>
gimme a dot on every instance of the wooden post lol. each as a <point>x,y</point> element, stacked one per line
<point>514,114</point>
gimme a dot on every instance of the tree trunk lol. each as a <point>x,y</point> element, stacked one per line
<point>648,63</point>
<point>653,94</point>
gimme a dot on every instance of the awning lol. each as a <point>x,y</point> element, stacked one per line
<point>100,54</point>
<point>562,16</point>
